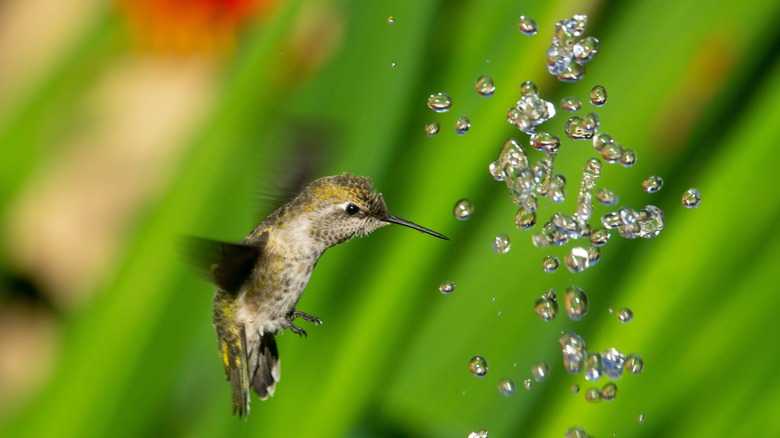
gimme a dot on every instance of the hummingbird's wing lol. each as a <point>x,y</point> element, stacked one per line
<point>227,265</point>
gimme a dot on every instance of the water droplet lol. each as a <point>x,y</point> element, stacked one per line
<point>575,388</point>
<point>574,350</point>
<point>530,110</point>
<point>593,367</point>
<point>546,142</point>
<point>640,418</point>
<point>528,88</point>
<point>506,387</point>
<point>576,303</point>
<point>431,129</point>
<point>585,49</point>
<point>576,432</point>
<point>550,263</point>
<point>485,86</point>
<point>652,184</point>
<point>691,198</point>
<point>440,102</point>
<point>528,384</point>
<point>463,209</point>
<point>594,255</point>
<point>625,314</point>
<point>577,260</point>
<point>609,391</point>
<point>571,103</point>
<point>527,25</point>
<point>628,158</point>
<point>478,366</point>
<point>546,306</point>
<point>599,236</point>
<point>393,64</point>
<point>540,371</point>
<point>462,125</point>
<point>598,95</point>
<point>593,395</point>
<point>390,20</point>
<point>634,364</point>
<point>447,287</point>
<point>479,434</point>
<point>501,244</point>
<point>650,220</point>
<point>525,219</point>
<point>606,197</point>
<point>582,128</point>
<point>612,363</point>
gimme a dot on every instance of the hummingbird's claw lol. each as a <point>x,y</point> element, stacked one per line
<point>305,316</point>
<point>297,330</point>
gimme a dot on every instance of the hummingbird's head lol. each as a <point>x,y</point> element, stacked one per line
<point>345,206</point>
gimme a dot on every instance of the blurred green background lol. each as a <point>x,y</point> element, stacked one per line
<point>124,125</point>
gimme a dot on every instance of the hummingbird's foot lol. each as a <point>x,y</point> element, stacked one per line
<point>305,316</point>
<point>297,330</point>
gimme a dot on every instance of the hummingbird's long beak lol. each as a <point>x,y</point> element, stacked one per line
<point>397,220</point>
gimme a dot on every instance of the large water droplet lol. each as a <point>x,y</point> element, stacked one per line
<point>546,306</point>
<point>440,102</point>
<point>527,25</point>
<point>571,103</point>
<point>577,259</point>
<point>540,371</point>
<point>609,391</point>
<point>593,367</point>
<point>576,303</point>
<point>525,219</point>
<point>478,366</point>
<point>598,95</point>
<point>651,221</point>
<point>585,49</point>
<point>628,158</point>
<point>546,142</point>
<point>462,125</point>
<point>625,314</point>
<point>501,244</point>
<point>574,350</point>
<point>691,198</point>
<point>447,287</point>
<point>463,209</point>
<point>599,237</point>
<point>528,88</point>
<point>652,184</point>
<point>506,387</point>
<point>606,197</point>
<point>431,129</point>
<point>550,263</point>
<point>613,362</point>
<point>479,434</point>
<point>485,86</point>
<point>593,395</point>
<point>634,364</point>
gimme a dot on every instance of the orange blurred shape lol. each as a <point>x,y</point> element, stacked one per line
<point>188,26</point>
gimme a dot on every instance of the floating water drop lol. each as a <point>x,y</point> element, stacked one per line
<point>527,25</point>
<point>546,306</point>
<point>501,244</point>
<point>447,287</point>
<point>571,103</point>
<point>440,102</point>
<point>506,387</point>
<point>576,432</point>
<point>585,49</point>
<point>525,219</point>
<point>625,314</point>
<point>390,20</point>
<point>593,367</point>
<point>462,125</point>
<point>550,263</point>
<point>540,371</point>
<point>479,434</point>
<point>574,350</point>
<point>628,158</point>
<point>593,395</point>
<point>530,110</point>
<point>634,364</point>
<point>528,88</point>
<point>431,129</point>
<point>582,128</point>
<point>640,418</point>
<point>609,391</point>
<point>594,255</point>
<point>463,209</point>
<point>575,388</point>
<point>651,221</point>
<point>576,303</point>
<point>601,140</point>
<point>606,197</point>
<point>652,184</point>
<point>577,259</point>
<point>691,198</point>
<point>485,86</point>
<point>478,366</point>
<point>598,95</point>
<point>393,64</point>
<point>528,384</point>
<point>613,362</point>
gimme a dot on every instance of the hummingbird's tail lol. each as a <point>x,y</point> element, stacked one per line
<point>264,368</point>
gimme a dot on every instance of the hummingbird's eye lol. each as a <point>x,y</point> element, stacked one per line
<point>352,209</point>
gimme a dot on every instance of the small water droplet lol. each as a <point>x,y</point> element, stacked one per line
<point>598,95</point>
<point>606,197</point>
<point>478,366</point>
<point>528,88</point>
<point>527,25</point>
<point>691,198</point>
<point>574,350</point>
<point>485,86</point>
<point>640,418</point>
<point>546,306</point>
<point>525,219</point>
<point>634,364</point>
<point>593,395</point>
<point>593,366</point>
<point>479,434</point>
<point>576,432</point>
<point>576,303</point>
<point>431,129</point>
<point>652,184</point>
<point>625,314</point>
<point>528,384</point>
<point>628,158</point>
<point>507,387</point>
<point>393,64</point>
<point>550,263</point>
<point>462,125</point>
<point>501,244</point>
<point>585,49</point>
<point>463,209</point>
<point>447,287</point>
<point>540,371</point>
<point>440,102</point>
<point>599,237</point>
<point>612,363</point>
<point>390,20</point>
<point>609,391</point>
<point>571,103</point>
<point>545,142</point>
<point>577,259</point>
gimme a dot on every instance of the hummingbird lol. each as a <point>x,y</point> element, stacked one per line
<point>259,281</point>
